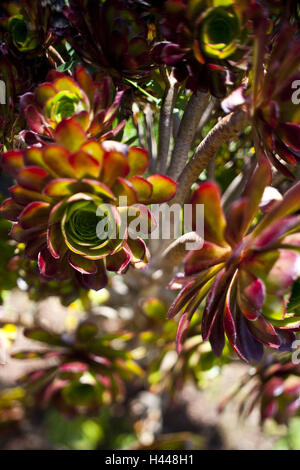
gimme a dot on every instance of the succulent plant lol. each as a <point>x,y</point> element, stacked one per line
<point>39,287</point>
<point>280,387</point>
<point>8,278</point>
<point>269,97</point>
<point>12,409</point>
<point>68,209</point>
<point>201,36</point>
<point>26,25</point>
<point>89,102</point>
<point>245,270</point>
<point>274,387</point>
<point>276,117</point>
<point>112,36</point>
<point>16,78</point>
<point>167,371</point>
<point>88,372</point>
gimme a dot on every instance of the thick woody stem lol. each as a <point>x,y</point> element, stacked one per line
<point>205,118</point>
<point>174,254</point>
<point>188,126</point>
<point>151,143</point>
<point>227,128</point>
<point>166,124</point>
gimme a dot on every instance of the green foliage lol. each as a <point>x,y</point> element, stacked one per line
<point>102,432</point>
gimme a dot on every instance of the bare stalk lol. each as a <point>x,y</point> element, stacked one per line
<point>236,187</point>
<point>138,125</point>
<point>205,118</point>
<point>151,142</point>
<point>56,55</point>
<point>184,139</point>
<point>227,128</point>
<point>174,254</point>
<point>166,123</point>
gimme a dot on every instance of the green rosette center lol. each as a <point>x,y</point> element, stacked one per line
<point>64,105</point>
<point>88,231</point>
<point>83,225</point>
<point>220,28</point>
<point>22,37</point>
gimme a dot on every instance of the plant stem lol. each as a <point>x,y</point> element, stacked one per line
<point>227,128</point>
<point>166,123</point>
<point>212,104</point>
<point>151,142</point>
<point>184,139</point>
<point>177,250</point>
<point>56,55</point>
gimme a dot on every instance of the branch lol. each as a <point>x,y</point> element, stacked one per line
<point>151,142</point>
<point>183,142</point>
<point>227,128</point>
<point>137,124</point>
<point>175,253</point>
<point>205,118</point>
<point>166,123</point>
<point>56,55</point>
<point>234,190</point>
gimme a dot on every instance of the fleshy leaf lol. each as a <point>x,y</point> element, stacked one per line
<point>94,281</point>
<point>57,158</point>
<point>125,188</point>
<point>284,272</point>
<point>164,188</point>
<point>69,134</point>
<point>214,220</point>
<point>182,331</point>
<point>251,295</point>
<point>38,334</point>
<point>143,189</point>
<point>138,159</point>
<point>84,165</point>
<point>24,196</point>
<point>119,261</point>
<point>10,209</point>
<point>93,148</point>
<point>139,253</point>
<point>261,177</point>
<point>81,264</point>
<point>33,177</point>
<point>290,134</point>
<point>44,92</point>
<point>209,255</point>
<point>289,204</point>
<point>47,264</point>
<point>36,213</point>
<point>55,241</point>
<point>12,162</point>
<point>115,164</point>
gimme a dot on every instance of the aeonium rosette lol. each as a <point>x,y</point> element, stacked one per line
<point>271,95</point>
<point>26,25</point>
<point>245,270</point>
<point>90,102</point>
<point>274,386</point>
<point>112,35</point>
<point>89,370</point>
<point>66,205</point>
<point>39,288</point>
<point>201,37</point>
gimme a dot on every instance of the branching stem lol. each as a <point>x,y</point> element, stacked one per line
<point>184,139</point>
